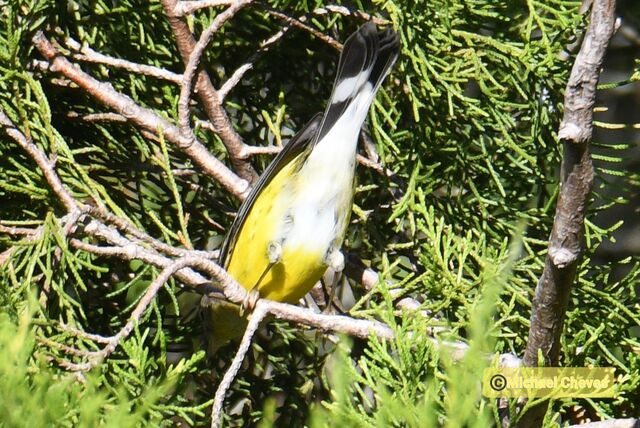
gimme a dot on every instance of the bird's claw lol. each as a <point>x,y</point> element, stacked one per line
<point>249,301</point>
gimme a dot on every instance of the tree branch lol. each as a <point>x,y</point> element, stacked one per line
<point>186,7</point>
<point>258,314</point>
<point>89,55</point>
<point>566,243</point>
<point>299,23</point>
<point>209,96</point>
<point>45,165</point>
<point>95,358</point>
<point>194,61</point>
<point>145,118</point>
<point>347,12</point>
<point>240,71</point>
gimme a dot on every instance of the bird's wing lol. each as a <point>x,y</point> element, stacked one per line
<point>366,58</point>
<point>292,149</point>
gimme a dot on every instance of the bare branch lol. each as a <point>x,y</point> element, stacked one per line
<point>15,230</point>
<point>97,117</point>
<point>186,7</point>
<point>45,165</point>
<point>299,23</point>
<point>145,118</point>
<point>96,358</point>
<point>89,55</point>
<point>240,71</point>
<point>362,160</point>
<point>125,226</point>
<point>566,243</point>
<point>124,249</point>
<point>332,323</point>
<point>194,61</point>
<point>211,100</point>
<point>347,12</point>
<point>258,314</point>
<point>262,150</point>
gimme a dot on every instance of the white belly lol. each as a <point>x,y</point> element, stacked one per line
<point>321,202</point>
<point>319,212</point>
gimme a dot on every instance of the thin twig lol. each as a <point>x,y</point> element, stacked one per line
<point>83,334</point>
<point>194,61</point>
<point>186,7</point>
<point>89,55</point>
<point>240,71</point>
<point>209,96</point>
<point>95,358</point>
<point>127,227</point>
<point>14,230</point>
<point>45,165</point>
<point>97,117</point>
<point>362,160</point>
<point>299,23</point>
<point>258,314</point>
<point>342,10</point>
<point>262,150</point>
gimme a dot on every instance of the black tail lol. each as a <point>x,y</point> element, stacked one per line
<point>366,58</point>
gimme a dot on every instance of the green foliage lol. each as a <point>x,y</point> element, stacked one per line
<point>465,123</point>
<point>36,395</point>
<point>410,382</point>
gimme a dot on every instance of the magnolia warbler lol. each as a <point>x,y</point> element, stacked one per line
<point>291,226</point>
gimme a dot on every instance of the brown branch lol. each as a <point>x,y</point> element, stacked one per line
<point>240,71</point>
<point>566,244</point>
<point>89,55</point>
<point>97,117</point>
<point>128,250</point>
<point>191,67</point>
<point>45,165</point>
<point>142,117</point>
<point>127,227</point>
<point>15,230</point>
<point>362,160</point>
<point>209,96</point>
<point>300,23</point>
<point>125,249</point>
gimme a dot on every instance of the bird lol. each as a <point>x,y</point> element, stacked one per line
<point>291,226</point>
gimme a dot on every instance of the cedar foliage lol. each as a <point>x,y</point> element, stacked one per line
<point>466,122</point>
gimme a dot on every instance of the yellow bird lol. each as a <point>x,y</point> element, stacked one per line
<point>291,226</point>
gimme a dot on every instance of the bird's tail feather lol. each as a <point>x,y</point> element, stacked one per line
<point>366,58</point>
